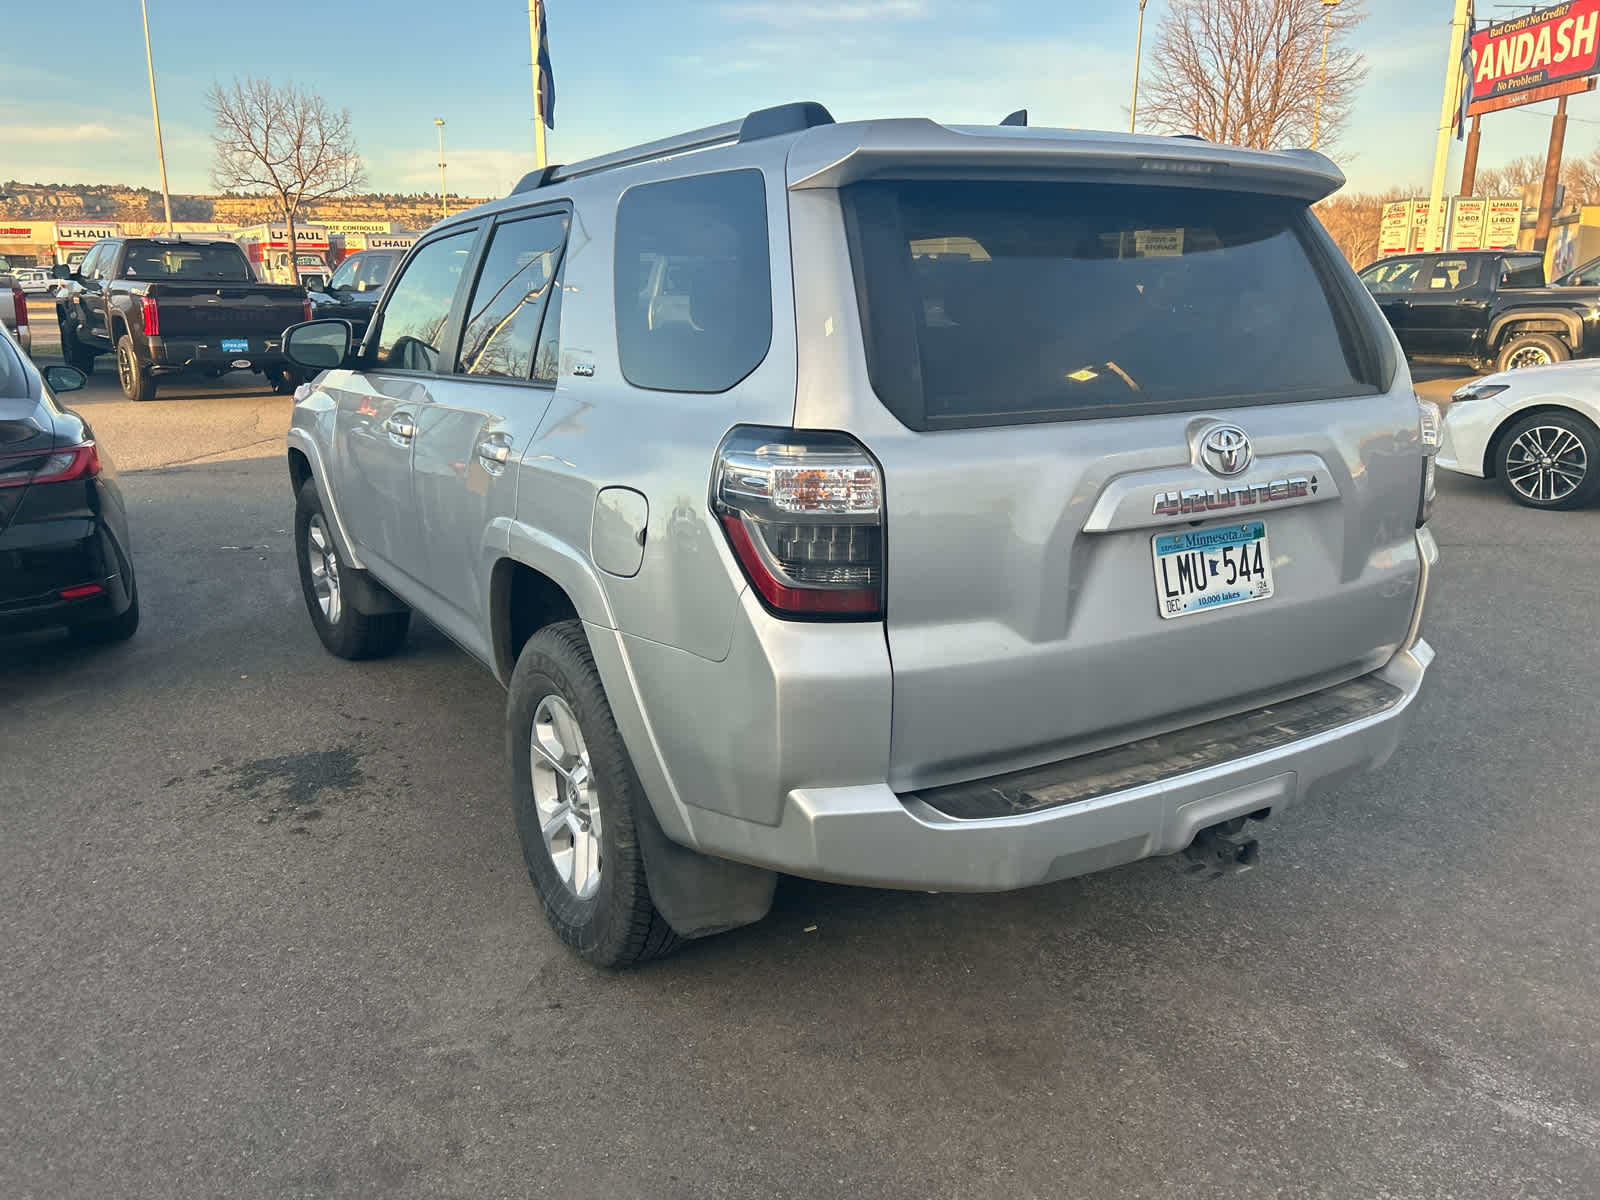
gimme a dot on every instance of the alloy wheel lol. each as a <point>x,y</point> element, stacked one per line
<point>1546,463</point>
<point>564,796</point>
<point>323,559</point>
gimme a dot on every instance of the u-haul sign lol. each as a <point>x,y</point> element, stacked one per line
<point>87,234</point>
<point>1554,44</point>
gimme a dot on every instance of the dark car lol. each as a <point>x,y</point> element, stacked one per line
<point>353,292</point>
<point>168,306</point>
<point>63,527</point>
<point>1485,309</point>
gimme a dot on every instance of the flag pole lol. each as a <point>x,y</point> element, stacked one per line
<point>1447,109</point>
<point>538,99</point>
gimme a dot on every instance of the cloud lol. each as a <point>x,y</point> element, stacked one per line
<point>46,135</point>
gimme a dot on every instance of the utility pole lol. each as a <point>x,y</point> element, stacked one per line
<point>1322,76</point>
<point>1138,53</point>
<point>1469,168</point>
<point>444,209</point>
<point>155,111</point>
<point>538,96</point>
<point>1447,111</point>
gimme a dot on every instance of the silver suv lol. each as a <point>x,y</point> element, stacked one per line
<point>896,504</point>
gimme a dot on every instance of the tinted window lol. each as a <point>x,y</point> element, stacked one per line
<point>693,287</point>
<point>1000,302</point>
<point>205,260</point>
<point>1522,273</point>
<point>1386,277</point>
<point>1453,274</point>
<point>413,320</point>
<point>511,295</point>
<point>345,275</point>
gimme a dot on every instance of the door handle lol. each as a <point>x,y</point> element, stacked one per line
<point>1465,301</point>
<point>495,452</point>
<point>400,427</point>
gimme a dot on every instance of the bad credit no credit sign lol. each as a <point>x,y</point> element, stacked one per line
<point>1544,47</point>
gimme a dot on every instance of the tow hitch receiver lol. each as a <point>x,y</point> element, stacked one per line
<point>1222,849</point>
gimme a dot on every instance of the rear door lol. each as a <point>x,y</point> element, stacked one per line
<point>1141,465</point>
<point>472,433</point>
<point>380,404</point>
<point>88,296</point>
<point>1391,283</point>
<point>1450,306</point>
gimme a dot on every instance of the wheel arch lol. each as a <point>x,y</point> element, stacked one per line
<point>1512,323</point>
<point>1491,449</point>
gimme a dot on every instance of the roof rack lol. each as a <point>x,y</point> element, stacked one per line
<point>762,123</point>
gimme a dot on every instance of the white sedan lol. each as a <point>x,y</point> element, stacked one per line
<point>1535,429</point>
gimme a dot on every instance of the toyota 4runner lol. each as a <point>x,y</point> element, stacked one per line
<point>929,507</point>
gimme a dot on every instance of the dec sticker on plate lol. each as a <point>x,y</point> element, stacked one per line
<point>1201,569</point>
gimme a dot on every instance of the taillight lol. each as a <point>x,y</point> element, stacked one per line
<point>152,316</point>
<point>1430,432</point>
<point>19,304</point>
<point>305,308</point>
<point>803,513</point>
<point>55,466</point>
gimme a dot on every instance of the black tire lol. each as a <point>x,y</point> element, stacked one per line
<point>105,633</point>
<point>345,631</point>
<point>73,352</point>
<point>137,383</point>
<point>1533,350</point>
<point>617,925</point>
<point>1555,456</point>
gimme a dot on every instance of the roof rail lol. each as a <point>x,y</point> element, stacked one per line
<point>762,123</point>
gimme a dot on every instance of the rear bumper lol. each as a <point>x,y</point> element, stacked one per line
<point>171,355</point>
<point>38,562</point>
<point>869,835</point>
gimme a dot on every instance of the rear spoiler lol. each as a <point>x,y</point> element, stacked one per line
<point>834,155</point>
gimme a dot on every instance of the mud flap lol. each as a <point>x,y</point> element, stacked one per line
<point>698,895</point>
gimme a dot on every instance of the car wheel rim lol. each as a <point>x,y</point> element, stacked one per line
<point>564,796</point>
<point>1529,356</point>
<point>126,371</point>
<point>323,560</point>
<point>1547,463</point>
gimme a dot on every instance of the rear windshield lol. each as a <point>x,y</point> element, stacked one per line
<point>994,303</point>
<point>155,260</point>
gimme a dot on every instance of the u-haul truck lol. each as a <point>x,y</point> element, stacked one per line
<point>345,244</point>
<point>267,248</point>
<point>72,239</point>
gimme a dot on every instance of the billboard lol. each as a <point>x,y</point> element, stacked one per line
<point>1533,51</point>
<point>1419,221</point>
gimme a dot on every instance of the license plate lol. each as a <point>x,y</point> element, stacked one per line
<point>1202,569</point>
<point>235,345</point>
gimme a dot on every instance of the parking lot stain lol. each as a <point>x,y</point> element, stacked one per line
<point>297,786</point>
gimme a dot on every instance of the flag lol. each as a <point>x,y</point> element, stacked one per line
<point>1466,80</point>
<point>547,80</point>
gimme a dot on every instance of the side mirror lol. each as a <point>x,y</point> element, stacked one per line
<point>64,379</point>
<point>60,271</point>
<point>318,345</point>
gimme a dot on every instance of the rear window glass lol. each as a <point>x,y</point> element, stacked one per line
<point>693,289</point>
<point>152,260</point>
<point>990,303</point>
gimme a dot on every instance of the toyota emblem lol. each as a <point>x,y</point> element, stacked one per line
<point>1225,450</point>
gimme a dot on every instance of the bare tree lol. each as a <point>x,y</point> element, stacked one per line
<point>1354,221</point>
<point>1246,72</point>
<point>283,141</point>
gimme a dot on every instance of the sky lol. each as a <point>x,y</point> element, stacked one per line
<point>627,71</point>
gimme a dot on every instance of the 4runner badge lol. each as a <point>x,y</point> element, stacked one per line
<point>1239,495</point>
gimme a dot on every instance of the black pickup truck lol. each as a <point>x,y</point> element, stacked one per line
<point>1486,309</point>
<point>166,306</point>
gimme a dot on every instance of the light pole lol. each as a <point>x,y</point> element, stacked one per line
<point>155,111</point>
<point>444,210</point>
<point>1322,75</point>
<point>1138,53</point>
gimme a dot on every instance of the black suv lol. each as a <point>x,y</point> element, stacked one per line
<point>1487,309</point>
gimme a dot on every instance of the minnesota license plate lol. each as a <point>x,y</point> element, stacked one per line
<point>1201,569</point>
<point>235,345</point>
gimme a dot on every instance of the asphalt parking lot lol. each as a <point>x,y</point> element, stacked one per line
<point>268,931</point>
